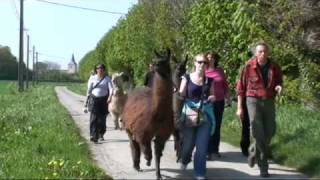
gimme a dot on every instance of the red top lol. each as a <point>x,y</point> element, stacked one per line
<point>219,81</point>
<point>251,82</point>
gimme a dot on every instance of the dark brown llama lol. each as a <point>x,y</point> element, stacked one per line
<point>148,115</point>
<point>179,71</point>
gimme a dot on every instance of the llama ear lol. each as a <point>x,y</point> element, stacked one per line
<point>185,60</point>
<point>168,53</point>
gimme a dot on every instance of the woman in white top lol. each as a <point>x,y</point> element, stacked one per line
<point>99,87</point>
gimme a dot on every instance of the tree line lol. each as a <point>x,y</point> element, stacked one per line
<point>229,27</point>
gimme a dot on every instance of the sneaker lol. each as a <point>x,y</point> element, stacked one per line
<point>251,160</point>
<point>200,177</point>
<point>183,166</point>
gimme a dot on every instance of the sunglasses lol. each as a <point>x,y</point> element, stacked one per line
<point>202,62</point>
<point>99,68</point>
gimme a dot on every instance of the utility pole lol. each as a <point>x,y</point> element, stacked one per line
<point>33,66</point>
<point>20,64</point>
<point>27,69</point>
<point>37,68</point>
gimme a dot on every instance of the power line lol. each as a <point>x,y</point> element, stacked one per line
<point>83,8</point>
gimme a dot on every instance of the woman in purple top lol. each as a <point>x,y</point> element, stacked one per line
<point>221,91</point>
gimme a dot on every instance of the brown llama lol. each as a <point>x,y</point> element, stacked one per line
<point>148,115</point>
<point>179,71</point>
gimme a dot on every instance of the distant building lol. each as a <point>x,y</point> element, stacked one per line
<point>72,66</point>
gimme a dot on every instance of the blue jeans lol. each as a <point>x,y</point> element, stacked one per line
<point>196,137</point>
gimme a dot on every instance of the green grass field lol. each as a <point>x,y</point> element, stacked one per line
<point>38,137</point>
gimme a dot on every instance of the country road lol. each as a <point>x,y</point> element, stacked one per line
<point>114,157</point>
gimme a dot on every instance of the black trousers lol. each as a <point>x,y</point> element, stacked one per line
<point>214,141</point>
<point>98,117</point>
<point>245,133</point>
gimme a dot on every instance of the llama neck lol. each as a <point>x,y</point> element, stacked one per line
<point>161,92</point>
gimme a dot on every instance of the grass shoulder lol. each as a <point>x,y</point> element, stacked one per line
<point>296,143</point>
<point>40,139</point>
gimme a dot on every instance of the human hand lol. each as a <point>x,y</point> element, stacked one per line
<point>85,110</point>
<point>239,113</point>
<point>278,89</point>
<point>211,98</point>
<point>228,102</point>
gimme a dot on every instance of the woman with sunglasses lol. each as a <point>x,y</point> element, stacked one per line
<point>99,87</point>
<point>194,88</point>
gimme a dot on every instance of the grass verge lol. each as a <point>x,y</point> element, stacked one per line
<point>39,139</point>
<point>296,143</point>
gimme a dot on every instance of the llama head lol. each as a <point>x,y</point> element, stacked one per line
<point>162,64</point>
<point>180,67</point>
<point>121,81</point>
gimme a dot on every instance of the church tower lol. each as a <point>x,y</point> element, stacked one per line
<point>72,66</point>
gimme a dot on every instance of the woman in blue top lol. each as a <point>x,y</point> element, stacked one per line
<point>194,87</point>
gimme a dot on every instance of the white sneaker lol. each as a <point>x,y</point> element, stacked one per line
<point>183,166</point>
<point>200,178</point>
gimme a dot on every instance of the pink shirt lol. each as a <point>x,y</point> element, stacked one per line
<point>219,81</point>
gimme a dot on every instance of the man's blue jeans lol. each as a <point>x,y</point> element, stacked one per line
<point>196,137</point>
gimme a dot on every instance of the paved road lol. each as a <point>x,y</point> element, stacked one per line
<point>113,154</point>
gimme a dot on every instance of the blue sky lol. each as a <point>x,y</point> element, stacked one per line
<point>57,31</point>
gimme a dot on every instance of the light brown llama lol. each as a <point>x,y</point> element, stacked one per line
<point>148,115</point>
<point>118,98</point>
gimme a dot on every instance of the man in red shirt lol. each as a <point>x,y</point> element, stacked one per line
<point>260,81</point>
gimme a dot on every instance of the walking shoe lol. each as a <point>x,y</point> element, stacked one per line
<point>101,137</point>
<point>214,156</point>
<point>93,139</point>
<point>251,160</point>
<point>183,166</point>
<point>264,173</point>
<point>200,178</point>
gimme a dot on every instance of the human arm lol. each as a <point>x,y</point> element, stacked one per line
<point>211,96</point>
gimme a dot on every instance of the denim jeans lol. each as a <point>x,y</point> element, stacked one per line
<point>196,137</point>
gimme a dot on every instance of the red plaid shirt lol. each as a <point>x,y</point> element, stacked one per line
<point>251,81</point>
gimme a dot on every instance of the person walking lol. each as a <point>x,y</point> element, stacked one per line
<point>260,81</point>
<point>221,92</point>
<point>99,89</point>
<point>198,93</point>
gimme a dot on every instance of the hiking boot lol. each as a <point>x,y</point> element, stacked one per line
<point>251,160</point>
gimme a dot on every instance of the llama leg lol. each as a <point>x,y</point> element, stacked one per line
<point>158,146</point>
<point>115,120</point>
<point>146,149</point>
<point>135,152</point>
